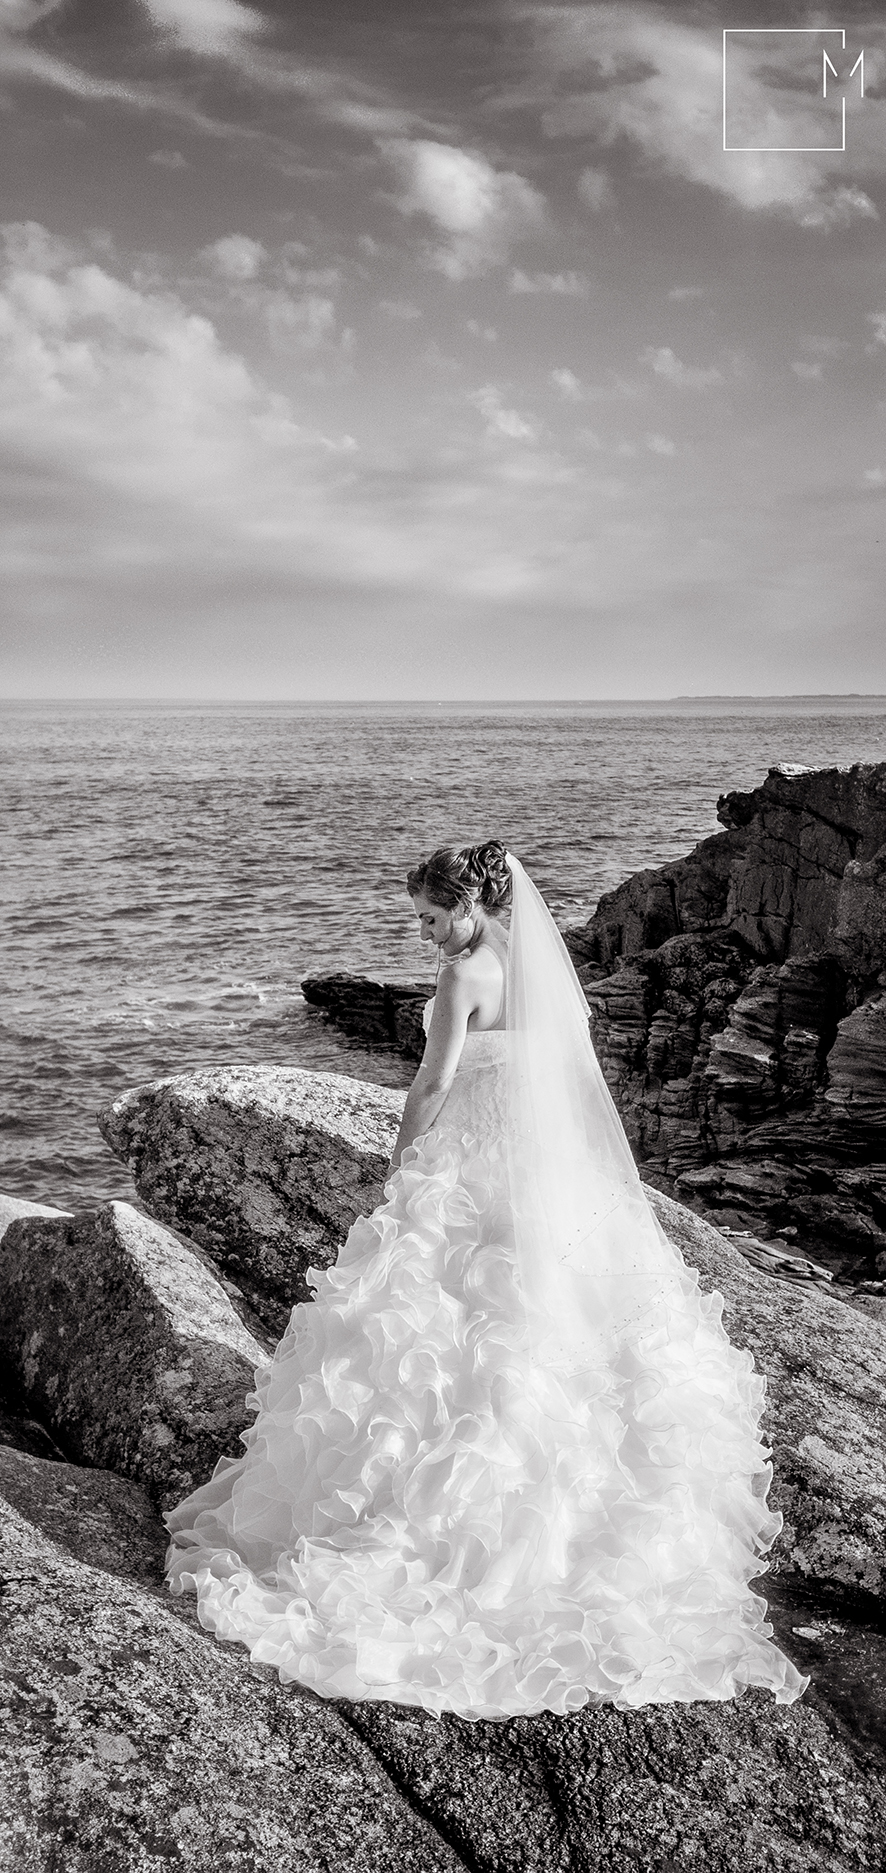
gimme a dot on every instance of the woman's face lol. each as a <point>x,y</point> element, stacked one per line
<point>435,923</point>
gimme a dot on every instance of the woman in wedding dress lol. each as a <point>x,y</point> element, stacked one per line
<point>507,1460</point>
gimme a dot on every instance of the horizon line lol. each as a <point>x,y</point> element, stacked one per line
<point>438,702</point>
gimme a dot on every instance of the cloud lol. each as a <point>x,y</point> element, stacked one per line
<point>207,26</point>
<point>660,445</point>
<point>294,321</point>
<point>402,309</point>
<point>627,73</point>
<point>150,440</point>
<point>681,293</point>
<point>168,159</point>
<point>875,477</point>
<point>824,347</point>
<point>236,256</point>
<point>878,321</point>
<point>569,386</point>
<point>663,362</point>
<point>596,190</point>
<point>837,210</point>
<point>481,211</point>
<point>501,422</point>
<point>803,368</point>
<point>152,473</point>
<point>301,324</point>
<point>21,15</point>
<point>221,30</point>
<point>564,285</point>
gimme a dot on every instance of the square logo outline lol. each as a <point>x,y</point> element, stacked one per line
<point>783,149</point>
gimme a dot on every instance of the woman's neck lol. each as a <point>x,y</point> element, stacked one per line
<point>479,934</point>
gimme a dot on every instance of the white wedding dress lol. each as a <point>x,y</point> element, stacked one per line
<point>426,1514</point>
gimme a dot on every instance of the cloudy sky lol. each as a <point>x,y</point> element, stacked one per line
<point>437,348</point>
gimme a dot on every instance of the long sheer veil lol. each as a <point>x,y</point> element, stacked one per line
<point>592,1257</point>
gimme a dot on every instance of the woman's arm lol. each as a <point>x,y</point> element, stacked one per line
<point>454,1004</point>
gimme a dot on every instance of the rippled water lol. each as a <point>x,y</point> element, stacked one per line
<point>170,873</point>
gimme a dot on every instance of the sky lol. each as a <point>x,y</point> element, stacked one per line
<point>439,349</point>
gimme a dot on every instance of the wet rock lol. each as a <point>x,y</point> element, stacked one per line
<point>264,1167</point>
<point>130,1741</point>
<point>126,1345</point>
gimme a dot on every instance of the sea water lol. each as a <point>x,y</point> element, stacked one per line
<point>170,873</point>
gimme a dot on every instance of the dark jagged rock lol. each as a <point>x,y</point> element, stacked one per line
<point>738,1007</point>
<point>751,1072</point>
<point>18,1426</point>
<point>387,1012</point>
<point>774,878</point>
<point>126,1345</point>
<point>131,1742</point>
<point>238,1159</point>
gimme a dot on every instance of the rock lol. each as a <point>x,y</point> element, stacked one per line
<point>239,1159</point>
<point>859,935</point>
<point>126,1344</point>
<point>136,1741</point>
<point>826,1362</point>
<point>773,878</point>
<point>11,1208</point>
<point>751,1072</point>
<point>18,1427</point>
<point>825,1366</point>
<point>97,1517</point>
<point>385,1012</point>
<point>738,1010</point>
<point>856,1080</point>
<point>133,1742</point>
<point>745,1787</point>
<point>20,1430</point>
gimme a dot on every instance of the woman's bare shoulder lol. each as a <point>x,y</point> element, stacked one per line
<point>484,964</point>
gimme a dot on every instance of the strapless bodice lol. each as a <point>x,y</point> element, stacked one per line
<point>480,1034</point>
<point>476,1099</point>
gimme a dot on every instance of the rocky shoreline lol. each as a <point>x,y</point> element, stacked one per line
<point>737,1001</point>
<point>133,1742</point>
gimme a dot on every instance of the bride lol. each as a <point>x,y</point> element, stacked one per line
<point>508,1460</point>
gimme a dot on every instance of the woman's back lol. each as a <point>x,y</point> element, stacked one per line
<point>484,970</point>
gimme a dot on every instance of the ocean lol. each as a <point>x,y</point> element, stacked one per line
<point>171,872</point>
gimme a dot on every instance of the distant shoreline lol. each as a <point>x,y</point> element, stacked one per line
<point>859,701</point>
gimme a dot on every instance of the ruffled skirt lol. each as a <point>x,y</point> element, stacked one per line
<point>422,1515</point>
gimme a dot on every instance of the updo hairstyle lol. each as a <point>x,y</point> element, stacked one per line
<point>456,880</point>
